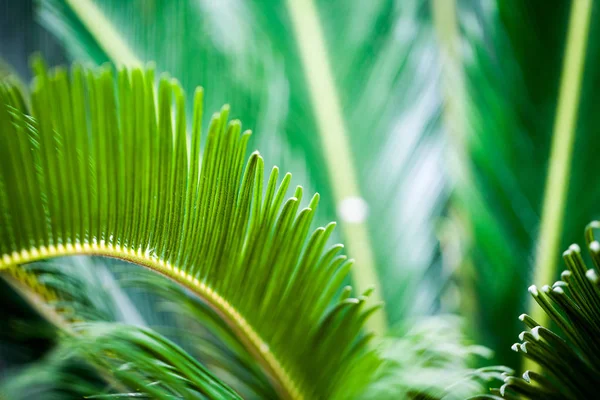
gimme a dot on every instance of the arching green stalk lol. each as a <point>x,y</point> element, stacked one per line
<point>446,22</point>
<point>557,180</point>
<point>334,138</point>
<point>251,340</point>
<point>454,92</point>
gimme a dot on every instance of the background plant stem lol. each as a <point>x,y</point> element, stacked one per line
<point>334,139</point>
<point>104,33</point>
<point>557,180</point>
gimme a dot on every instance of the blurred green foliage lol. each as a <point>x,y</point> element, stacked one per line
<point>387,69</point>
<point>513,73</point>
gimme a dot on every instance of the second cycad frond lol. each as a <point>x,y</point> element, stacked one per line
<point>570,362</point>
<point>94,166</point>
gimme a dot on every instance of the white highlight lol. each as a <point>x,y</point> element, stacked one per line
<point>353,209</point>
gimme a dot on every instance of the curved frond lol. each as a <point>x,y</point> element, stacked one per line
<point>102,165</point>
<point>146,362</point>
<point>375,109</point>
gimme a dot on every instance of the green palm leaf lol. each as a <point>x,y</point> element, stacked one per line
<point>356,135</point>
<point>99,168</point>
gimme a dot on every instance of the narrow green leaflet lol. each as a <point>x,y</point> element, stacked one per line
<point>102,165</point>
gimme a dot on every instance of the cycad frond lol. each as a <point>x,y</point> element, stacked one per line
<point>147,362</point>
<point>377,57</point>
<point>98,167</point>
<point>571,361</point>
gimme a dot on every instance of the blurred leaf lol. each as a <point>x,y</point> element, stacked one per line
<point>82,288</point>
<point>512,54</point>
<point>426,358</point>
<point>57,377</point>
<point>134,362</point>
<point>202,332</point>
<point>146,362</point>
<point>429,359</point>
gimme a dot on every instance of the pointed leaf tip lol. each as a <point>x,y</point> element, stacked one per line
<point>533,290</point>
<point>575,248</point>
<point>522,317</point>
<point>546,288</point>
<point>369,291</point>
<point>592,275</point>
<point>594,225</point>
<point>558,290</point>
